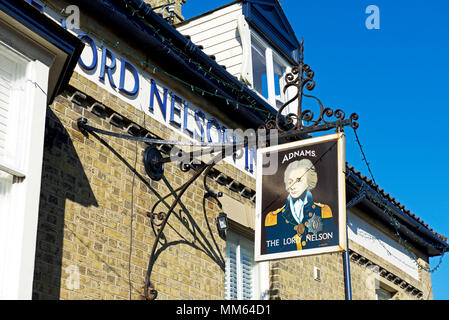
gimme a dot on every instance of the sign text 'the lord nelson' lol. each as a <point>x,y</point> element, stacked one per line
<point>121,78</point>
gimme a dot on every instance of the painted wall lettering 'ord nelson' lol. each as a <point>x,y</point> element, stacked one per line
<point>120,77</point>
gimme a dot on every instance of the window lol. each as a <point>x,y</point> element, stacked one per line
<point>279,72</point>
<point>5,189</point>
<point>244,279</point>
<point>36,60</point>
<point>12,92</point>
<point>23,97</point>
<point>384,293</point>
<point>259,69</point>
<point>268,71</point>
<point>13,128</point>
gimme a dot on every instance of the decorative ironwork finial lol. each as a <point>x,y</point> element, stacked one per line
<point>301,77</point>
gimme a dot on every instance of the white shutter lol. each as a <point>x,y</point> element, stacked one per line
<point>5,186</point>
<point>247,267</point>
<point>239,269</point>
<point>231,290</point>
<point>13,117</point>
<point>6,82</point>
<point>5,189</point>
<point>7,76</point>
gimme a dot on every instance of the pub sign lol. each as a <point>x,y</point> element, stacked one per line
<point>301,206</point>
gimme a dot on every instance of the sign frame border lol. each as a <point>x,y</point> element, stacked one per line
<point>341,185</point>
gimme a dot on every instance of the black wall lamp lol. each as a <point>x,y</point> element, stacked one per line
<point>222,224</point>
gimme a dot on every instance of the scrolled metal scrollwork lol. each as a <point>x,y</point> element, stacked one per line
<point>354,117</point>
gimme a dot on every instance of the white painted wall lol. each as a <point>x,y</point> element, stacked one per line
<point>380,244</point>
<point>219,35</point>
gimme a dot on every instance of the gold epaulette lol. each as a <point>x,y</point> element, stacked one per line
<point>272,219</point>
<point>326,211</point>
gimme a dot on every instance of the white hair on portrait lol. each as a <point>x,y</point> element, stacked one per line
<point>312,176</point>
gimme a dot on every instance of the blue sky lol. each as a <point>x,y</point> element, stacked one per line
<point>396,79</point>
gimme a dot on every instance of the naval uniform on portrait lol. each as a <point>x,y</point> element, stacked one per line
<point>281,224</point>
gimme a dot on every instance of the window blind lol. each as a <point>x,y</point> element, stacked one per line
<point>5,188</point>
<point>231,271</point>
<point>7,76</point>
<point>239,269</point>
<point>246,262</point>
<point>6,82</point>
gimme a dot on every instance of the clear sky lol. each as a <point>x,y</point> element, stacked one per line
<point>396,79</point>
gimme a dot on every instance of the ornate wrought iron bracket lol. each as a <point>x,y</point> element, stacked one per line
<point>153,162</point>
<point>303,121</point>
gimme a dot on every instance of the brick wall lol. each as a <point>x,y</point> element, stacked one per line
<point>293,279</point>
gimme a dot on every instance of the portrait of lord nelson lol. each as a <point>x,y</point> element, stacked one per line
<point>301,223</point>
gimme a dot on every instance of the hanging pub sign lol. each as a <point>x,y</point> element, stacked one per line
<point>300,209</point>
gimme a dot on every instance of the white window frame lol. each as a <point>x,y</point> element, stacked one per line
<point>18,224</point>
<point>282,97</point>
<point>259,270</point>
<point>383,290</point>
<point>13,164</point>
<point>270,56</point>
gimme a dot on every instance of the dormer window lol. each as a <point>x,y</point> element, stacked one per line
<point>268,71</point>
<point>254,41</point>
